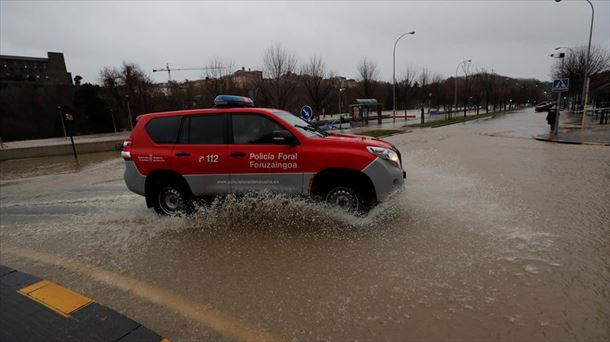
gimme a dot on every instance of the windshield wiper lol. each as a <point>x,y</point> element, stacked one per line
<point>313,129</point>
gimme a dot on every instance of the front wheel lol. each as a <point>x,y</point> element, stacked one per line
<point>171,200</point>
<point>347,200</point>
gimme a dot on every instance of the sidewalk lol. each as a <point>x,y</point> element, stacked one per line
<point>571,132</point>
<point>62,146</point>
<point>388,122</point>
<point>35,309</point>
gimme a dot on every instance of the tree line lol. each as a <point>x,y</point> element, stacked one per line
<point>285,83</point>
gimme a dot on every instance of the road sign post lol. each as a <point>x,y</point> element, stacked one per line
<point>63,125</point>
<point>70,119</point>
<point>306,113</point>
<point>559,86</point>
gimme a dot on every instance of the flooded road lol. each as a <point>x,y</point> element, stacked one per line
<point>497,236</point>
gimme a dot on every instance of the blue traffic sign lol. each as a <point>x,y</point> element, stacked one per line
<point>306,113</point>
<point>561,85</point>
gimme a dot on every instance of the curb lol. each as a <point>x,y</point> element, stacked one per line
<point>469,118</point>
<point>36,309</point>
<point>571,142</point>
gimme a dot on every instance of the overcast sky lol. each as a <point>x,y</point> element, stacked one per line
<point>511,37</point>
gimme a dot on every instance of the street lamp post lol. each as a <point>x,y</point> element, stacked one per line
<point>113,122</point>
<point>456,83</point>
<point>340,92</point>
<point>585,86</point>
<point>394,75</point>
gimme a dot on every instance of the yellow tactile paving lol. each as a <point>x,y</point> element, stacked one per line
<point>55,297</point>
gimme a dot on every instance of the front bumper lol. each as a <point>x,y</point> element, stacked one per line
<point>387,177</point>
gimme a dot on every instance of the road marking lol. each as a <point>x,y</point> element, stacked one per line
<point>57,298</point>
<point>219,322</point>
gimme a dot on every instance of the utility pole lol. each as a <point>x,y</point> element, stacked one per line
<point>113,122</point>
<point>129,112</point>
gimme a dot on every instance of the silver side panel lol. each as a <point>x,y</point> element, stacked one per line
<point>134,180</point>
<point>307,181</point>
<point>386,177</point>
<point>215,184</point>
<point>290,183</point>
<point>287,183</point>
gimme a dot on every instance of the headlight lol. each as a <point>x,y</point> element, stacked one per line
<point>384,153</point>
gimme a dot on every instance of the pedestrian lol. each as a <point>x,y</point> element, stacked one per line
<point>551,118</point>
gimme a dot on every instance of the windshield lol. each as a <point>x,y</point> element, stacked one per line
<point>301,125</point>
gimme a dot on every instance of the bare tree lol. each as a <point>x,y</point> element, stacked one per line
<point>279,66</point>
<point>424,77</point>
<point>486,81</point>
<point>466,88</point>
<point>316,81</point>
<point>435,90</point>
<point>405,85</point>
<point>217,76</point>
<point>368,75</point>
<point>574,67</point>
<point>130,83</point>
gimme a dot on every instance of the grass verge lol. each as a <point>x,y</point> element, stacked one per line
<point>380,133</point>
<point>439,123</point>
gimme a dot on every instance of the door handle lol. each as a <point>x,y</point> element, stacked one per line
<point>183,154</point>
<point>238,154</point>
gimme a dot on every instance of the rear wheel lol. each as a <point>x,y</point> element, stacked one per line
<point>172,200</point>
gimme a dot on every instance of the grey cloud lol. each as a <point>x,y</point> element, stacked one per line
<point>512,37</point>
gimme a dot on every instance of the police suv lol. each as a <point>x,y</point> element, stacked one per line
<point>174,158</point>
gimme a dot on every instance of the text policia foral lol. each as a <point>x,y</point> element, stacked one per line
<point>283,161</point>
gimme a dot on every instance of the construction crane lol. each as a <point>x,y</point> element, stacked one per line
<point>169,70</point>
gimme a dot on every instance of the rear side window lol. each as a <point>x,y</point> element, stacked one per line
<point>253,129</point>
<point>207,129</point>
<point>164,130</point>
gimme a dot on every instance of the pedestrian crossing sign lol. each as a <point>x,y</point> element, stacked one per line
<point>561,85</point>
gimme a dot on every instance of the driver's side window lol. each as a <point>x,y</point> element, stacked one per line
<point>253,129</point>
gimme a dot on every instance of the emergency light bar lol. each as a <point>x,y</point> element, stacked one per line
<point>233,101</point>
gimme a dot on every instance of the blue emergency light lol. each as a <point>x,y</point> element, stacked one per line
<point>233,101</point>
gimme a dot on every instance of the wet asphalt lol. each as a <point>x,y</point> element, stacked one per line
<point>496,236</point>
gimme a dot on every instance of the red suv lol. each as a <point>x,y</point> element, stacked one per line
<point>173,158</point>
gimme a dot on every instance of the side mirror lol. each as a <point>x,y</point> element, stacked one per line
<point>284,137</point>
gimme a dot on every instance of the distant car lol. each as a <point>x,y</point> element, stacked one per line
<point>172,158</point>
<point>544,106</point>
